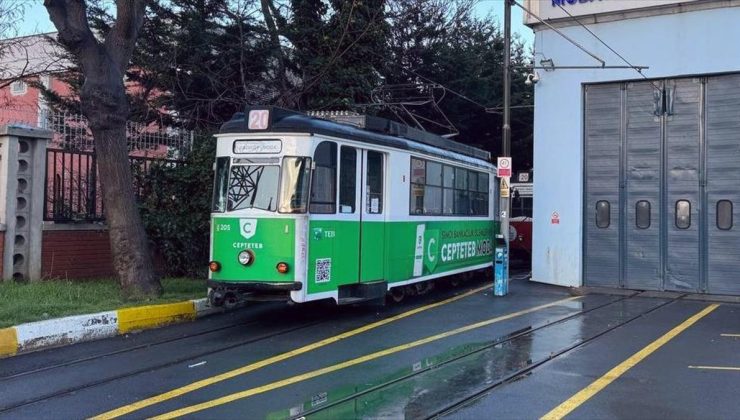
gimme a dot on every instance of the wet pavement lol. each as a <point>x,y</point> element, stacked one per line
<point>451,353</point>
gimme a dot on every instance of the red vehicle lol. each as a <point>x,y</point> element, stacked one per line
<point>520,228</point>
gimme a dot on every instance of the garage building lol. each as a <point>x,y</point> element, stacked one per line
<point>638,173</point>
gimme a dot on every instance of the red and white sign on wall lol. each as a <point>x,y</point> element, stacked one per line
<point>555,218</point>
<point>259,119</point>
<point>503,167</point>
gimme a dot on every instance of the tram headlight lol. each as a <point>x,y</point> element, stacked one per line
<point>246,257</point>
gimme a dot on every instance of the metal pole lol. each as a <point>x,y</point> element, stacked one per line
<point>506,130</point>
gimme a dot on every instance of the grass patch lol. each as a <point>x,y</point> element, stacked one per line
<point>28,302</point>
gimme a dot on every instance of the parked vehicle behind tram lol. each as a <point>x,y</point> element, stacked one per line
<point>521,218</point>
<point>306,208</point>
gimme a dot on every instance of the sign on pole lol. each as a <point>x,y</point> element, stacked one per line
<point>504,187</point>
<point>503,167</point>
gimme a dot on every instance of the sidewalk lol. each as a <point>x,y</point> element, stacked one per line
<point>56,332</point>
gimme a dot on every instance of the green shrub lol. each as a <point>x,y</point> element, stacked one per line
<point>175,208</point>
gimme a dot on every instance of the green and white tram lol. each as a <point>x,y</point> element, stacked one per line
<point>306,208</point>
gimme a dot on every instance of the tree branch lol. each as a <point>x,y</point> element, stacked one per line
<point>70,19</point>
<point>121,40</point>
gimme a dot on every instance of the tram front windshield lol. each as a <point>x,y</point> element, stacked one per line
<point>253,186</point>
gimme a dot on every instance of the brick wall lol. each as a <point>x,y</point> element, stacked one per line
<point>76,254</point>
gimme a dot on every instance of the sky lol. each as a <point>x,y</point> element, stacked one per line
<point>37,20</point>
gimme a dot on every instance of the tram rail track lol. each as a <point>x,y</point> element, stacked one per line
<point>189,357</point>
<point>70,390</point>
<point>457,404</point>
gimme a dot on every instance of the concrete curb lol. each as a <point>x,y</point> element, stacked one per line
<point>57,332</point>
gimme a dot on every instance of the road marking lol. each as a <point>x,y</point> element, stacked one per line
<point>716,367</point>
<point>352,362</point>
<point>126,409</point>
<point>596,386</point>
<point>730,335</point>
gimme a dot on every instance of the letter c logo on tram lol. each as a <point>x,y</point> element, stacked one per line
<point>247,227</point>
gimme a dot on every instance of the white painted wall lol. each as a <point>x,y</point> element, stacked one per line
<point>690,43</point>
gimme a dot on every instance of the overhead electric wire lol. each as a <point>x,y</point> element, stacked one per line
<point>567,38</point>
<point>460,95</point>
<point>636,68</point>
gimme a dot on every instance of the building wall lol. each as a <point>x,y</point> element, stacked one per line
<point>76,254</point>
<point>2,248</point>
<point>25,108</point>
<point>676,44</point>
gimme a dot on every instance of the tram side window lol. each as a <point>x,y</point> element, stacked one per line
<point>324,182</point>
<point>478,194</point>
<point>462,196</point>
<point>374,185</point>
<point>418,179</point>
<point>447,190</point>
<point>348,180</point>
<point>221,184</point>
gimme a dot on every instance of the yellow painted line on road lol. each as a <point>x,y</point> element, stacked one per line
<point>596,386</point>
<point>275,359</point>
<point>352,362</point>
<point>8,341</point>
<point>144,317</point>
<point>716,368</point>
<point>730,335</point>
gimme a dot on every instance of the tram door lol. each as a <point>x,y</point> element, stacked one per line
<point>372,217</point>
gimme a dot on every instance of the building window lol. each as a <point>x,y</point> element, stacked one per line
<point>603,216</point>
<point>324,181</point>
<point>683,214</point>
<point>724,214</point>
<point>19,87</point>
<point>438,189</point>
<point>642,214</point>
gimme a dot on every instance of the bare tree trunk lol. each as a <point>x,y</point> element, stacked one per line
<point>103,101</point>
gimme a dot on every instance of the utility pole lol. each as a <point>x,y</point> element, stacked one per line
<point>506,130</point>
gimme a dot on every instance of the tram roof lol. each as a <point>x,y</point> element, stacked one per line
<point>376,130</point>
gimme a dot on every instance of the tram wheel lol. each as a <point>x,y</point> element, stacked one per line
<point>397,294</point>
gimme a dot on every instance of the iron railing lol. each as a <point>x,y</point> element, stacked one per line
<point>72,191</point>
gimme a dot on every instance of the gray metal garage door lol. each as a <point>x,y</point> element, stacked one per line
<point>662,183</point>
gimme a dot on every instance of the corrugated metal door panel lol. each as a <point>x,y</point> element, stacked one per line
<point>682,159</point>
<point>603,118</point>
<point>643,137</point>
<point>723,183</point>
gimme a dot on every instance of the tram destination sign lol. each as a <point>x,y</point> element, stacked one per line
<point>258,146</point>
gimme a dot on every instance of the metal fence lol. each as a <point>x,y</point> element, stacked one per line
<point>71,132</point>
<point>72,192</point>
<point>72,186</point>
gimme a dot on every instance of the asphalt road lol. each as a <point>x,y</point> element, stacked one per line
<point>459,353</point>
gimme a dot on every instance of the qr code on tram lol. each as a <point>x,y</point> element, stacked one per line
<point>323,270</point>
